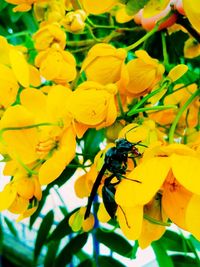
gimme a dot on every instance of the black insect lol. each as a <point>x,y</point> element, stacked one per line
<point>115,162</point>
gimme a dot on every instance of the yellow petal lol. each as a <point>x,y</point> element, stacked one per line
<point>25,187</point>
<point>151,231</point>
<point>9,86</point>
<point>27,213</point>
<point>55,165</point>
<point>7,197</point>
<point>35,101</point>
<point>21,143</point>
<point>4,51</point>
<point>19,205</point>
<point>57,104</point>
<point>177,72</point>
<point>122,16</point>
<point>154,7</point>
<point>35,78</point>
<point>192,217</point>
<point>130,221</point>
<point>88,223</point>
<point>174,202</point>
<point>151,175</point>
<point>186,169</point>
<point>102,214</point>
<point>20,67</point>
<point>76,220</point>
<point>134,133</point>
<point>192,10</point>
<point>89,106</point>
<point>97,7</point>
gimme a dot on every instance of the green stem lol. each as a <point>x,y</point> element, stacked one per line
<point>17,34</point>
<point>154,221</point>
<point>179,114</point>
<point>156,108</point>
<point>28,126</point>
<point>80,43</point>
<point>29,171</point>
<point>164,47</point>
<point>141,40</point>
<point>120,104</point>
<point>150,33</point>
<point>92,34</point>
<point>147,97</point>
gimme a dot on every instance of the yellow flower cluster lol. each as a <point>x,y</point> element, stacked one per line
<point>46,106</point>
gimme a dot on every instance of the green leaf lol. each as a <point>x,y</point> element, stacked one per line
<point>195,242</point>
<point>11,227</point>
<point>43,232</point>
<point>3,4</point>
<point>116,243</point>
<point>70,249</point>
<point>1,236</point>
<point>92,139</point>
<point>184,261</point>
<point>62,229</point>
<point>14,16</point>
<point>37,213</point>
<point>51,253</point>
<point>106,261</point>
<point>86,263</point>
<point>133,6</point>
<point>174,242</point>
<point>162,257</point>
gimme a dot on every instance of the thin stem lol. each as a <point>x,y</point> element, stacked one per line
<point>29,171</point>
<point>147,97</point>
<point>17,34</point>
<point>92,34</point>
<point>28,126</point>
<point>120,105</point>
<point>150,33</point>
<point>141,40</point>
<point>179,114</point>
<point>164,47</point>
<point>80,43</point>
<point>156,108</point>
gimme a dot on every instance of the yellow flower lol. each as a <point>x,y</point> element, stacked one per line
<point>173,171</point>
<point>97,7</point>
<point>18,194</point>
<point>104,63</point>
<point>22,5</point>
<point>56,65</point>
<point>60,140</point>
<point>77,222</point>
<point>121,14</point>
<point>55,143</point>
<point>9,86</point>
<point>192,10</point>
<point>179,97</point>
<point>50,11</point>
<point>93,105</point>
<point>49,34</point>
<point>74,21</point>
<point>14,69</point>
<point>144,73</point>
<point>151,229</point>
<point>22,143</point>
<point>191,48</point>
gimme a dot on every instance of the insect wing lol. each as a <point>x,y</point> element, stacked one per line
<point>108,194</point>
